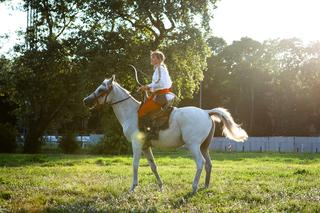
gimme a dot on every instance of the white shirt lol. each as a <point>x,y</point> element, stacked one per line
<point>160,79</point>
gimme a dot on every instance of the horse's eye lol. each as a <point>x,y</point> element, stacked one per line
<point>101,90</point>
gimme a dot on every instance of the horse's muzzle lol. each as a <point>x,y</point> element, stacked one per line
<point>88,101</point>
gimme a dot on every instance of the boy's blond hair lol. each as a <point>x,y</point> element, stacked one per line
<point>159,55</point>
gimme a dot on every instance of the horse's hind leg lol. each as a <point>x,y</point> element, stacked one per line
<point>208,166</point>
<point>195,150</point>
<point>205,152</point>
<point>148,153</point>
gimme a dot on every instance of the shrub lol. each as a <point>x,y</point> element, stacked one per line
<point>68,143</point>
<point>7,139</point>
<point>113,141</point>
<point>116,144</point>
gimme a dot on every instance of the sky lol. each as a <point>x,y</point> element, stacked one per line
<point>11,20</point>
<point>233,19</point>
<point>267,19</point>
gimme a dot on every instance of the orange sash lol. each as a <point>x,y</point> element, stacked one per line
<point>150,105</point>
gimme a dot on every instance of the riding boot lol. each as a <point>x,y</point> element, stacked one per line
<point>164,123</point>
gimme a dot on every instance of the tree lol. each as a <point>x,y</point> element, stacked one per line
<point>72,45</point>
<point>268,86</point>
<point>6,106</point>
<point>126,31</point>
<point>44,81</point>
<point>242,72</point>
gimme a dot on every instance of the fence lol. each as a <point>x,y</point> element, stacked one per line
<point>253,144</point>
<point>92,138</point>
<point>268,144</point>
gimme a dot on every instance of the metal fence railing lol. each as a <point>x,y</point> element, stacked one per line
<point>268,144</point>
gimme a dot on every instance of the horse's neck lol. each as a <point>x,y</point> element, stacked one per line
<point>125,111</point>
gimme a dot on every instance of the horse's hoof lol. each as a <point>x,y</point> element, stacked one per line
<point>132,189</point>
<point>161,189</point>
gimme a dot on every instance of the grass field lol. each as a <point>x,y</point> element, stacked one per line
<point>240,182</point>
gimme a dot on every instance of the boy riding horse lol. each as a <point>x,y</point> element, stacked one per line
<point>161,97</point>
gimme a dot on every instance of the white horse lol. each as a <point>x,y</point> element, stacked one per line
<point>189,126</point>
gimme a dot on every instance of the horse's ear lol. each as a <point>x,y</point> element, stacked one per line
<point>113,78</point>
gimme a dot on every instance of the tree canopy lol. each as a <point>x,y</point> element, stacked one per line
<point>73,45</point>
<point>271,86</point>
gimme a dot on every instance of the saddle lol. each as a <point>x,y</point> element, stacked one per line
<point>153,122</point>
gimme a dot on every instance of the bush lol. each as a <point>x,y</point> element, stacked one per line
<point>68,143</point>
<point>113,141</point>
<point>7,139</point>
<point>112,145</point>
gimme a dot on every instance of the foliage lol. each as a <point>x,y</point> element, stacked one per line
<point>127,32</point>
<point>240,182</point>
<point>186,64</point>
<point>43,80</point>
<point>73,45</point>
<point>113,141</point>
<point>270,87</point>
<point>68,143</point>
<point>115,145</point>
<point>6,106</point>
<point>7,139</point>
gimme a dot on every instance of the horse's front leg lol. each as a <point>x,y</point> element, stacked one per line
<point>136,148</point>
<point>148,153</point>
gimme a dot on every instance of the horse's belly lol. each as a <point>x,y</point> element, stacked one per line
<point>168,139</point>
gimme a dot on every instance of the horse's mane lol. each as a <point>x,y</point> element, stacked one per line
<point>126,91</point>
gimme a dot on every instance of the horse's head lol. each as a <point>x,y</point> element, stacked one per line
<point>101,95</point>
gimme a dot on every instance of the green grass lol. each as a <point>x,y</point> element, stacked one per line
<point>240,182</point>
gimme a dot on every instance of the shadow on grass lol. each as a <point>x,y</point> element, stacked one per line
<point>17,160</point>
<point>89,206</point>
<point>185,198</point>
<point>239,156</point>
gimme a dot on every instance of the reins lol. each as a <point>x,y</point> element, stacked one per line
<point>120,100</point>
<point>106,93</point>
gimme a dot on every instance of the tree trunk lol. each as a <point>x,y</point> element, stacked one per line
<point>38,127</point>
<point>33,141</point>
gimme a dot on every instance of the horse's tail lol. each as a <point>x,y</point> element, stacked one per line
<point>231,129</point>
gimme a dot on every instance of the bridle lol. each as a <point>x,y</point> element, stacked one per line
<point>105,94</point>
